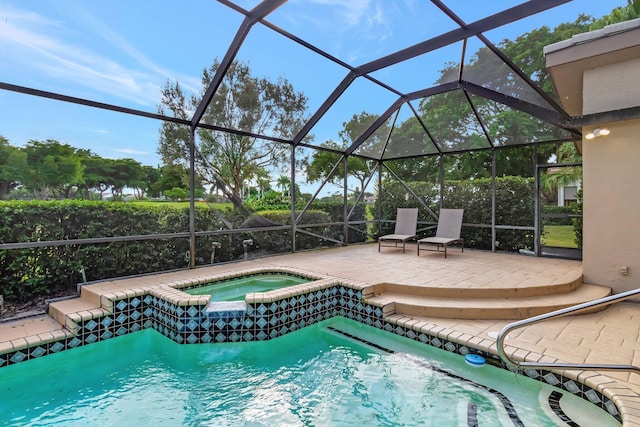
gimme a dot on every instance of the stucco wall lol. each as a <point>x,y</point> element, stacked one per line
<point>611,87</point>
<point>611,185</point>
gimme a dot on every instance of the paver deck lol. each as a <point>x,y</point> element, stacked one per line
<point>607,337</point>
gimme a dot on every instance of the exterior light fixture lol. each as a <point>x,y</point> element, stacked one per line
<point>597,132</point>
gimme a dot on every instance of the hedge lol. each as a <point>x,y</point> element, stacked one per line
<point>43,271</point>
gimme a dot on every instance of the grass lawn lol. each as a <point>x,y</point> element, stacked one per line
<point>182,205</point>
<point>561,236</point>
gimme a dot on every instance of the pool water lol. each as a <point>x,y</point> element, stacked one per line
<point>236,289</point>
<point>335,373</point>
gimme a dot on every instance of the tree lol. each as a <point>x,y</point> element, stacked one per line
<point>13,163</point>
<point>97,173</point>
<point>284,182</point>
<point>126,173</point>
<point>52,168</point>
<point>245,103</point>
<point>322,161</point>
<point>152,178</point>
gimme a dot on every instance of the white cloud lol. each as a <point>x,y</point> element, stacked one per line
<point>364,24</point>
<point>32,43</point>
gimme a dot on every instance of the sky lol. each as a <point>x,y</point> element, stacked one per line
<point>122,52</point>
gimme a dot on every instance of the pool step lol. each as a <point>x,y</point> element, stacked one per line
<point>486,303</point>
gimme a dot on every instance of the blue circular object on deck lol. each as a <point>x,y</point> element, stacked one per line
<point>475,359</point>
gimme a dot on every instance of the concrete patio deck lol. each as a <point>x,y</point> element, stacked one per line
<point>607,337</point>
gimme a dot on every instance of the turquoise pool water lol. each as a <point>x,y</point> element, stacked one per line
<point>236,289</point>
<point>335,373</point>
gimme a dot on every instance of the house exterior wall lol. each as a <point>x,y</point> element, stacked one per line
<point>611,87</point>
<point>611,178</point>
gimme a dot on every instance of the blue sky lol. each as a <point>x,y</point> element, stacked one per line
<point>122,52</point>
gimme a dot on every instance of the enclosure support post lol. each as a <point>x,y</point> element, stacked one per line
<point>441,180</point>
<point>536,214</point>
<point>345,202</point>
<point>379,198</point>
<point>493,200</point>
<point>192,197</point>
<point>292,192</point>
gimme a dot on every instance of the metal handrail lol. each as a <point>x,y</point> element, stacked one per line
<point>561,313</point>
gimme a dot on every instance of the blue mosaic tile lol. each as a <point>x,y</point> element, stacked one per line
<point>56,347</point>
<point>121,305</point>
<point>18,356</point>
<point>91,325</point>
<point>38,352</point>
<point>91,339</point>
<point>135,302</point>
<point>192,324</point>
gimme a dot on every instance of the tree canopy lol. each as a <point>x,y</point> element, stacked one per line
<point>243,103</point>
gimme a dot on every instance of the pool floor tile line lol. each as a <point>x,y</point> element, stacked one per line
<point>363,265</point>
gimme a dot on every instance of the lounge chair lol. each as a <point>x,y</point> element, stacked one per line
<point>448,231</point>
<point>406,224</point>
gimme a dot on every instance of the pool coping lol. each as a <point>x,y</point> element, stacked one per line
<point>594,387</point>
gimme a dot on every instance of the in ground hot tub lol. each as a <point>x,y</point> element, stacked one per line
<point>236,289</point>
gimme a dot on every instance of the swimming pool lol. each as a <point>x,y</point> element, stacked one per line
<point>235,289</point>
<point>334,373</point>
